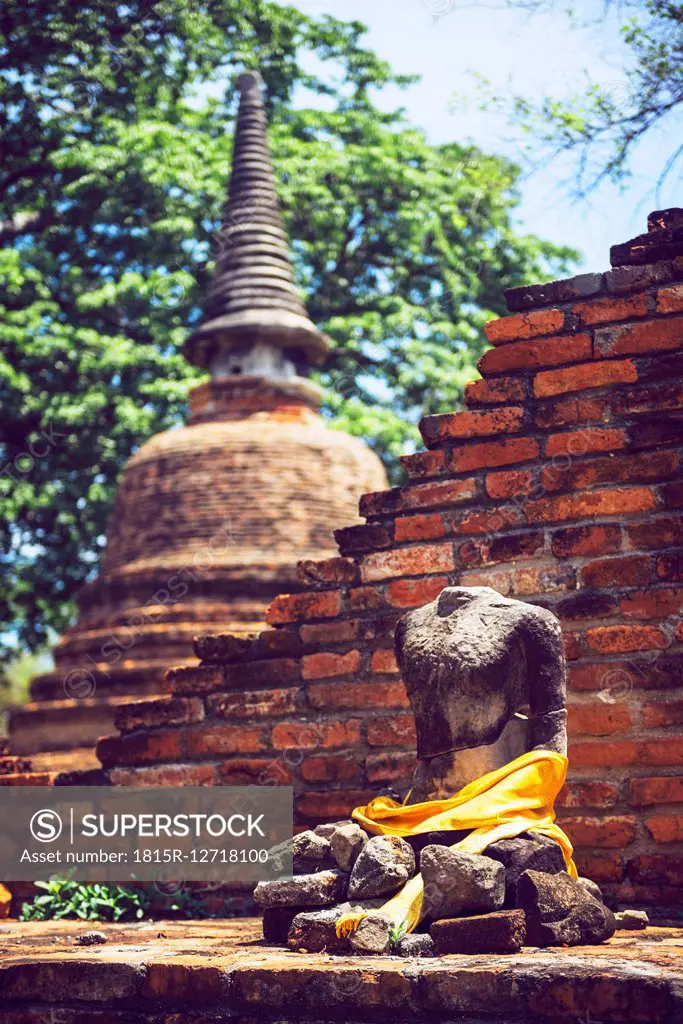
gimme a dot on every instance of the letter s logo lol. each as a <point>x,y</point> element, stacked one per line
<point>46,826</point>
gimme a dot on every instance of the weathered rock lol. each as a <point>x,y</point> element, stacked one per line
<point>460,883</point>
<point>308,851</point>
<point>346,842</point>
<point>591,887</point>
<point>526,852</point>
<point>373,935</point>
<point>415,945</point>
<point>91,939</point>
<point>486,679</point>
<point>312,847</point>
<point>322,888</point>
<point>314,931</point>
<point>382,867</point>
<point>560,912</point>
<point>632,920</point>
<point>327,829</point>
<point>500,932</point>
<point>277,921</point>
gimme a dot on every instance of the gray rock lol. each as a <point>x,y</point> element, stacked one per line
<point>560,912</point>
<point>632,920</point>
<point>346,842</point>
<point>314,931</point>
<point>327,829</point>
<point>373,935</point>
<point>323,888</point>
<point>591,887</point>
<point>486,678</point>
<point>501,932</point>
<point>382,867</point>
<point>308,852</point>
<point>526,852</point>
<point>458,883</point>
<point>415,945</point>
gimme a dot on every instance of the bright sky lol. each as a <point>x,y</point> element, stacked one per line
<point>539,55</point>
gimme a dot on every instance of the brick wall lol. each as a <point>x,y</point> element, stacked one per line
<point>561,484</point>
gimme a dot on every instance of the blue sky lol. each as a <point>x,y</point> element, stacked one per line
<point>445,40</point>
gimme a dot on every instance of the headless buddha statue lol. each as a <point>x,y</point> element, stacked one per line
<point>486,679</point>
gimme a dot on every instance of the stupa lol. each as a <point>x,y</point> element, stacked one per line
<point>211,518</point>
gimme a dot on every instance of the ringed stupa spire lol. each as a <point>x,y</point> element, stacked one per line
<point>254,317</point>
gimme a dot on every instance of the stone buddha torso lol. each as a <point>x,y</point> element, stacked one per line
<point>486,679</point>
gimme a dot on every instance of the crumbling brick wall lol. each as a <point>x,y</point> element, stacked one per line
<point>561,484</point>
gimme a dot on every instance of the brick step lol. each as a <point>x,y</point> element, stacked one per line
<point>61,724</point>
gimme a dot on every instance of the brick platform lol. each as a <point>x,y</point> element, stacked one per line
<point>172,973</point>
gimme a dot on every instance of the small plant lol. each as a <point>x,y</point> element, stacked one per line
<point>62,898</point>
<point>396,932</point>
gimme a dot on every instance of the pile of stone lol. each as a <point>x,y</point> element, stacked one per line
<point>516,894</point>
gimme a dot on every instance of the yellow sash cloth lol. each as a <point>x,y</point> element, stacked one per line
<point>518,797</point>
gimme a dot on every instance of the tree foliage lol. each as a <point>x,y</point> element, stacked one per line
<point>602,125</point>
<point>117,122</point>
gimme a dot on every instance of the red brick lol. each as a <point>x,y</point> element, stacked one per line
<point>326,665</point>
<point>670,300</point>
<point>474,423</point>
<point>603,754</point>
<point>390,765</point>
<point>355,695</point>
<point>524,325</point>
<point>655,336</point>
<point>416,496</point>
<point>491,521</point>
<point>523,581</point>
<point>392,732</point>
<point>226,739</point>
<point>619,678</point>
<point>599,719</point>
<point>165,775</point>
<point>657,868</point>
<point>582,793</point>
<point>647,792</point>
<point>415,561</point>
<point>160,711</point>
<point>617,572</point>
<point>608,502</point>
<point>652,400</point>
<point>195,679</point>
<point>570,411</point>
<point>516,483</point>
<point>665,531</point>
<point>496,391</point>
<point>670,567</point>
<point>333,768</point>
<point>493,453</point>
<point>620,639</point>
<point>270,672</point>
<point>581,442</point>
<point>584,376</point>
<point>253,704</point>
<point>423,464</point>
<point>634,278</point>
<point>586,540</point>
<point>330,570</point>
<point>384,661</point>
<point>604,311</point>
<point>359,539</point>
<point>531,355</point>
<point>252,771</point>
<point>140,748</point>
<point>660,752</point>
<point>601,867</point>
<point>614,469</point>
<point>331,805</point>
<point>330,632</point>
<point>573,646</point>
<point>663,713</point>
<point>611,832</point>
<point>311,735</point>
<point>424,527</point>
<point>665,828</point>
<point>302,607</point>
<point>415,593</point>
<point>653,604</point>
<point>506,548</point>
<point>365,599</point>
